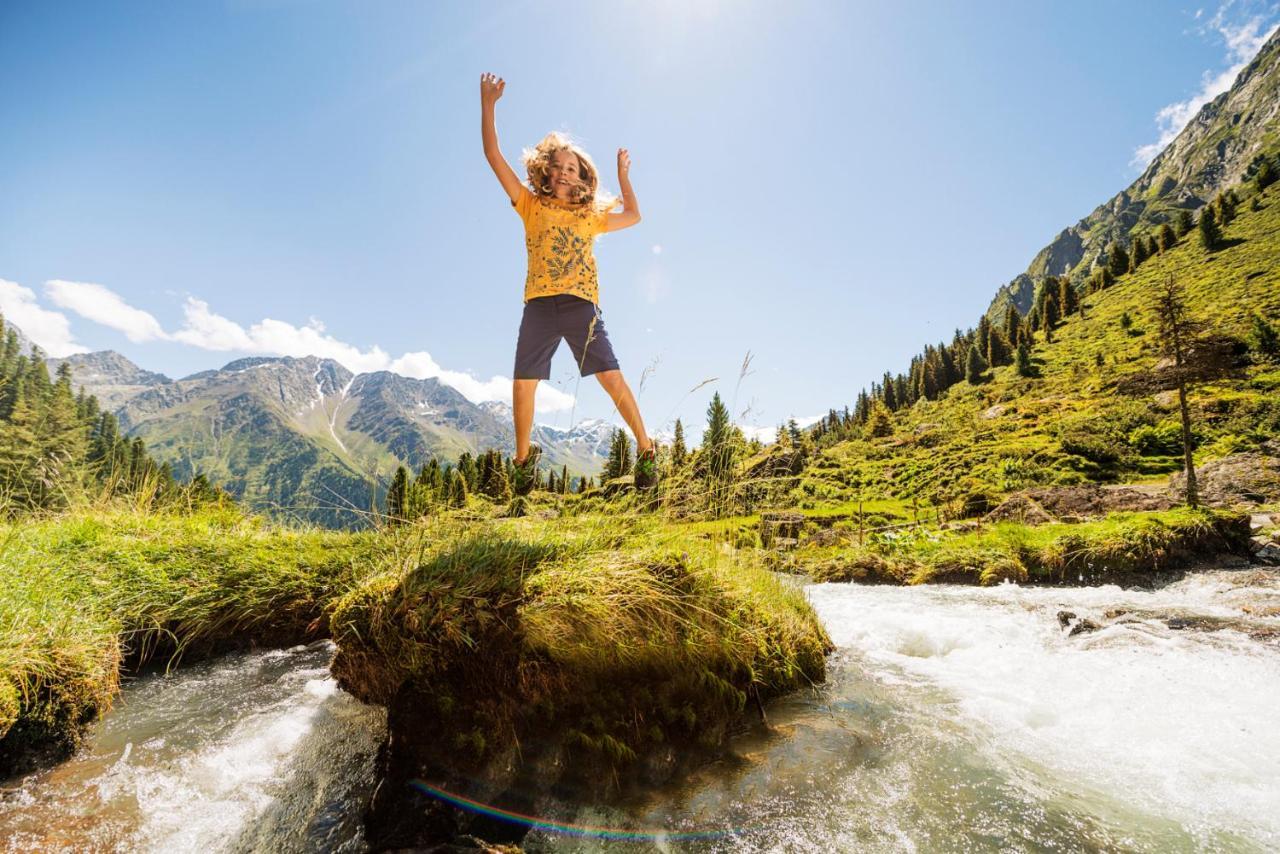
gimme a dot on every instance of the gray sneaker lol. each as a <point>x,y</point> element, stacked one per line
<point>526,471</point>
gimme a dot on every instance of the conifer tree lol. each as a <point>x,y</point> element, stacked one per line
<point>717,440</point>
<point>974,365</point>
<point>997,349</point>
<point>679,453</point>
<point>1068,301</point>
<point>1117,259</point>
<point>469,470</point>
<point>457,495</point>
<point>564,479</point>
<point>1210,233</point>
<point>1023,359</point>
<point>1153,245</point>
<point>900,391</point>
<point>1226,207</point>
<point>1263,337</point>
<point>1183,225</point>
<point>879,423</point>
<point>983,334</point>
<point>397,496</point>
<point>886,393</point>
<point>1011,322</point>
<point>1265,176</point>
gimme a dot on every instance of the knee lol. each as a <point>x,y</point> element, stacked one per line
<point>611,380</point>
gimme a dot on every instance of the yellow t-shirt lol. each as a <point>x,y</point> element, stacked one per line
<point>559,237</point>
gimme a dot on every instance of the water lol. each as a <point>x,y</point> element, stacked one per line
<point>962,719</point>
<point>953,719</point>
<point>257,751</point>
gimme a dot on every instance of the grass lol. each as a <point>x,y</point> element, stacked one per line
<point>83,594</point>
<point>622,634</point>
<point>1119,548</point>
<point>1071,424</point>
<point>669,613</point>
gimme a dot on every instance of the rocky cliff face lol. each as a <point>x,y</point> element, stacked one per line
<point>1212,152</point>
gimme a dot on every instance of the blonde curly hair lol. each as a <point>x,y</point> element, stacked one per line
<point>537,164</point>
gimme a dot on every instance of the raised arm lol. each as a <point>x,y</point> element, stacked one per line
<point>630,208</point>
<point>490,91</point>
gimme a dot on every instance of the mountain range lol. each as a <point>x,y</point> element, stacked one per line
<point>306,436</point>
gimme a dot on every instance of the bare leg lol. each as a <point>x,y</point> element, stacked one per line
<point>522,394</point>
<point>617,387</point>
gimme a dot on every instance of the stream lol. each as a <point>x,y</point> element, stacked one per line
<point>953,719</point>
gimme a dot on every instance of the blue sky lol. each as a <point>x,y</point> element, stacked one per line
<point>826,186</point>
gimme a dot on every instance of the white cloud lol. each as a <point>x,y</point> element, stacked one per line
<point>105,306</point>
<point>50,330</point>
<point>204,328</point>
<point>1243,42</point>
<point>657,249</point>
<point>210,331</point>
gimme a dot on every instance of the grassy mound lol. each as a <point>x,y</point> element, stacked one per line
<point>622,636</point>
<point>82,593</point>
<point>1121,547</point>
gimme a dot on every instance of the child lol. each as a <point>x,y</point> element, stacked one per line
<point>563,209</point>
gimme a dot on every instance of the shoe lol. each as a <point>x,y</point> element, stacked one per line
<point>526,471</point>
<point>646,469</point>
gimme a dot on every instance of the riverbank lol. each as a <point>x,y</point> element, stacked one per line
<point>1123,548</point>
<point>574,603</point>
<point>85,596</point>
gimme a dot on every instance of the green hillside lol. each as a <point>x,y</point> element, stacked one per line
<point>1081,419</point>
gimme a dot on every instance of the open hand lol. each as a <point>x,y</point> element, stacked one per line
<point>624,163</point>
<point>491,87</point>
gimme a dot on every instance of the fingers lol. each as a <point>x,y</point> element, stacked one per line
<point>492,84</point>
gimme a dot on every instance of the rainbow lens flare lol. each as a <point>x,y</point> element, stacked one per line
<point>612,833</point>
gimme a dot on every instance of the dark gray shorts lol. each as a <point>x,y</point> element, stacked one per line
<point>548,319</point>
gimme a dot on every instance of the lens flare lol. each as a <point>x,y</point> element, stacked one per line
<point>612,833</point>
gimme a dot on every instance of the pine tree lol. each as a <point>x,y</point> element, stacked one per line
<point>619,463</point>
<point>1117,259</point>
<point>1266,175</point>
<point>1153,245</point>
<point>1263,337</point>
<point>886,393</point>
<point>1067,298</point>
<point>1226,205</point>
<point>564,479</point>
<point>398,496</point>
<point>997,349</point>
<point>1011,322</point>
<point>716,440</point>
<point>1210,234</point>
<point>974,365</point>
<point>1183,225</point>
<point>879,423</point>
<point>1168,237</point>
<point>457,494</point>
<point>983,334</point>
<point>679,453</point>
<point>1023,359</point>
<point>1139,253</point>
<point>470,473</point>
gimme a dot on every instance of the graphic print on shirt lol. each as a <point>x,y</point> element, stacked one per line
<point>567,252</point>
